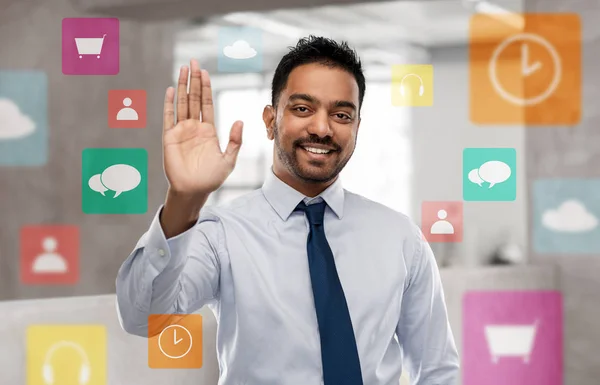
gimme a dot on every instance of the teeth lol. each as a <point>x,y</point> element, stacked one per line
<point>316,150</point>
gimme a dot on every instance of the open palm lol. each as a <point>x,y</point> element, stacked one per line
<point>193,160</point>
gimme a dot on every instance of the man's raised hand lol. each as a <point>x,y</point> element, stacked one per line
<point>193,161</point>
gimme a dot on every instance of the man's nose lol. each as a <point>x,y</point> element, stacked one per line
<point>320,125</point>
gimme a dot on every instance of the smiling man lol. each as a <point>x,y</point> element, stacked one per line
<point>310,284</point>
<point>307,157</point>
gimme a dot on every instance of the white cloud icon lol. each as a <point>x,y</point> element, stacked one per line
<point>13,123</point>
<point>570,217</point>
<point>239,50</point>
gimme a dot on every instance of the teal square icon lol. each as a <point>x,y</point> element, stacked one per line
<point>240,50</point>
<point>566,216</point>
<point>114,181</point>
<point>489,174</point>
<point>23,118</point>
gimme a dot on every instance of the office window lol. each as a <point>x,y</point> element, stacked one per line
<point>380,168</point>
<point>255,156</point>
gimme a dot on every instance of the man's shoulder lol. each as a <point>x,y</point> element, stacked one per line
<point>240,205</point>
<point>370,210</point>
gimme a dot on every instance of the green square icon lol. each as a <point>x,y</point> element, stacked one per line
<point>114,181</point>
<point>489,174</point>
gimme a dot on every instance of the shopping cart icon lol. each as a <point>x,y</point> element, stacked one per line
<point>511,340</point>
<point>89,46</point>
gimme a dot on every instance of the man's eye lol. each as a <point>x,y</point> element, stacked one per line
<point>301,108</point>
<point>342,116</point>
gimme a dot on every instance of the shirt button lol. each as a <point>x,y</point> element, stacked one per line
<point>161,252</point>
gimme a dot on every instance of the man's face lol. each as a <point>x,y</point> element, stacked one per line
<point>316,122</point>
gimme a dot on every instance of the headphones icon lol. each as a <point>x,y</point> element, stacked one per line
<point>84,371</point>
<point>421,88</point>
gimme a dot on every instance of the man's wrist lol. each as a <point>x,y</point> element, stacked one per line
<point>180,212</point>
<point>185,202</point>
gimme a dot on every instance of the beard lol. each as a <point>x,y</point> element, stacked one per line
<point>290,159</point>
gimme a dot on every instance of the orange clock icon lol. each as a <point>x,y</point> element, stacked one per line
<point>529,76</point>
<point>179,343</point>
<point>175,341</point>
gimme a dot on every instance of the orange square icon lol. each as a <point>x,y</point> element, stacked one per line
<point>49,254</point>
<point>442,221</point>
<point>525,69</point>
<point>127,108</point>
<point>176,341</point>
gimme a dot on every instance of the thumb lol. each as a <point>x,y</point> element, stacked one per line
<point>235,142</point>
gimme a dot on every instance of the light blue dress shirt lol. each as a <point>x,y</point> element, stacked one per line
<point>247,261</point>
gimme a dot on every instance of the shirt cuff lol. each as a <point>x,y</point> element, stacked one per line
<point>161,251</point>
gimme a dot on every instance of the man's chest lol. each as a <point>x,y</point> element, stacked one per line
<point>268,273</point>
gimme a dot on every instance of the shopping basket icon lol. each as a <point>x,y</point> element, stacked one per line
<point>510,340</point>
<point>89,46</point>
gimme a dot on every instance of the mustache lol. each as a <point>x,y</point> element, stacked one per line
<point>326,141</point>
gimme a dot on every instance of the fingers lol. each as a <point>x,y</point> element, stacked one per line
<point>182,95</point>
<point>169,109</point>
<point>235,142</point>
<point>208,111</point>
<point>195,89</point>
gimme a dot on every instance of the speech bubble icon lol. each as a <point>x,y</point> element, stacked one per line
<point>96,184</point>
<point>494,172</point>
<point>474,177</point>
<point>120,178</point>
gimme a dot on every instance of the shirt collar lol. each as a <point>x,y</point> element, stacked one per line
<point>284,199</point>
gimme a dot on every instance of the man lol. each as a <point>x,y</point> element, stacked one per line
<point>310,283</point>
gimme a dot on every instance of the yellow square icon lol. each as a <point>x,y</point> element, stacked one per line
<point>412,85</point>
<point>66,354</point>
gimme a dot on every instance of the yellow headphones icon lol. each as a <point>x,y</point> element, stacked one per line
<point>421,88</point>
<point>84,371</point>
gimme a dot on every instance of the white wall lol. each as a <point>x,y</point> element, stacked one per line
<point>441,132</point>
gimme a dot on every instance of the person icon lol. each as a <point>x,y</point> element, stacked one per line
<point>442,226</point>
<point>127,113</point>
<point>49,261</point>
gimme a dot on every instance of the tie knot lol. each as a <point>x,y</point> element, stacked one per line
<point>314,212</point>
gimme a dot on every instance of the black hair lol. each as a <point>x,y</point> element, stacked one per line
<point>323,51</point>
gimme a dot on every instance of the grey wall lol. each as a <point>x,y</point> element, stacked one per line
<point>440,134</point>
<point>457,282</point>
<point>571,152</point>
<point>127,355</point>
<point>30,38</point>
<point>543,152</point>
<point>169,9</point>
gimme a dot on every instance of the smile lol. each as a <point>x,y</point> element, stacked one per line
<point>315,150</point>
<point>314,154</point>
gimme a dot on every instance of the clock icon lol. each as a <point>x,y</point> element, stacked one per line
<point>175,341</point>
<point>527,68</point>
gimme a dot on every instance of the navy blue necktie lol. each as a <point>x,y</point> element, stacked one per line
<point>339,354</point>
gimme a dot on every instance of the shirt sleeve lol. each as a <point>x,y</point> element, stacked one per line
<point>174,276</point>
<point>423,330</point>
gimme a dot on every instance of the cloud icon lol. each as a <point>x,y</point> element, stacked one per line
<point>241,49</point>
<point>13,123</point>
<point>570,217</point>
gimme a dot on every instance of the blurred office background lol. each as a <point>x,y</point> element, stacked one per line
<point>404,156</point>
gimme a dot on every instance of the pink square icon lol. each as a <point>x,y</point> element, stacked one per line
<point>512,337</point>
<point>90,46</point>
<point>50,254</point>
<point>442,221</point>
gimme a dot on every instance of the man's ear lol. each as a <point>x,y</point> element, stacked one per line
<point>269,119</point>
